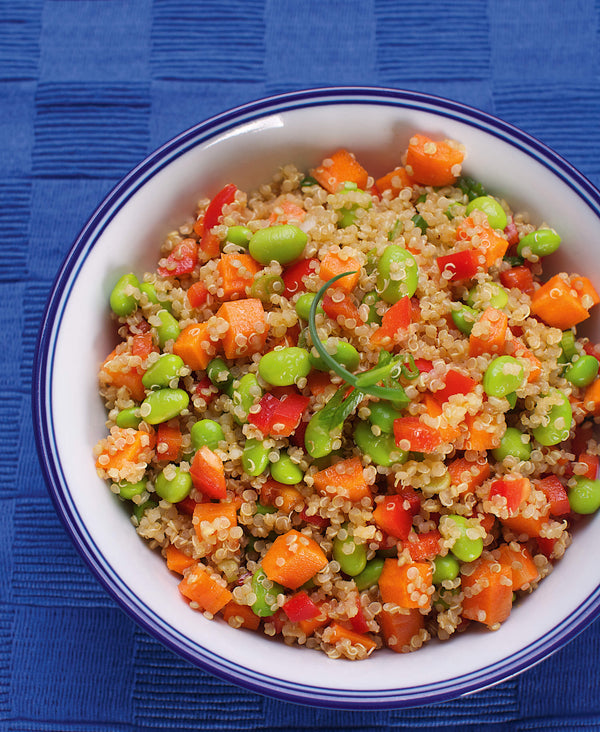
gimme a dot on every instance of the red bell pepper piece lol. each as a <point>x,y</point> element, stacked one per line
<point>426,546</point>
<point>592,350</point>
<point>423,365</point>
<point>546,546</point>
<point>455,383</point>
<point>394,514</point>
<point>292,275</point>
<point>592,462</point>
<point>397,317</point>
<point>346,308</point>
<point>512,233</point>
<point>181,260</point>
<point>279,417</point>
<point>263,419</point>
<point>421,437</point>
<point>556,495</point>
<point>462,265</point>
<point>300,607</point>
<point>514,489</point>
<point>197,294</point>
<point>206,389</point>
<point>208,473</point>
<point>519,278</point>
<point>142,345</point>
<point>316,520</point>
<point>187,506</point>
<point>215,208</point>
<point>358,621</point>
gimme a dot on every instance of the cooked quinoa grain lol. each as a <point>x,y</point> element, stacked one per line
<point>402,463</point>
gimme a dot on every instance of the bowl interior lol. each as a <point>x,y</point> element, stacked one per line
<point>125,235</point>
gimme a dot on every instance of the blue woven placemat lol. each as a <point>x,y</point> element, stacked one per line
<point>87,89</point>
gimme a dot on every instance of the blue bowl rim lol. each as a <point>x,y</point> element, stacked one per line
<point>532,654</point>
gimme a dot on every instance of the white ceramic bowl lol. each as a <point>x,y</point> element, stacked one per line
<point>246,146</point>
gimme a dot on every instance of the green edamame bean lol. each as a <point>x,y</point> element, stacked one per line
<point>245,394</point>
<point>285,471</point>
<point>583,371</point>
<point>150,292</point>
<point>397,274</point>
<point>487,294</point>
<point>176,489</point>
<point>128,490</point>
<point>129,417</point>
<point>491,208</point>
<point>557,424</point>
<point>514,443</point>
<point>511,399</point>
<point>584,497</point>
<point>206,432</point>
<point>351,556</point>
<point>464,318</point>
<point>465,548</point>
<point>303,304</point>
<point>284,366</point>
<point>445,568</point>
<point>541,242</point>
<point>267,285</point>
<point>383,415</point>
<point>371,299</point>
<point>266,594</point>
<point>163,404</point>
<point>168,329</point>
<point>255,457</point>
<point>220,376</point>
<point>345,354</point>
<point>503,376</point>
<point>370,574</point>
<point>163,371</point>
<point>283,243</point>
<point>140,509</point>
<point>121,303</point>
<point>382,450</point>
<point>238,235</point>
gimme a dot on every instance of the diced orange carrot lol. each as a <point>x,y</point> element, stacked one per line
<point>236,272</point>
<point>212,511</point>
<point>123,447</point>
<point>583,286</point>
<point>489,242</point>
<point>195,347</point>
<point>115,372</point>
<point>344,478</point>
<point>481,436</point>
<point>406,585</point>
<point>399,629</point>
<point>168,441</point>
<point>334,264</point>
<point>243,614</point>
<point>591,397</point>
<point>532,362</point>
<point>492,601</point>
<point>448,432</point>
<point>489,333</point>
<point>524,570</point>
<point>293,559</point>
<point>285,498</point>
<point>469,475</point>
<point>142,345</point>
<point>177,561</point>
<point>248,327</point>
<point>338,168</point>
<point>336,633</point>
<point>287,212</point>
<point>433,163</point>
<point>309,626</point>
<point>558,304</point>
<point>528,526</point>
<point>204,589</point>
<point>394,181</point>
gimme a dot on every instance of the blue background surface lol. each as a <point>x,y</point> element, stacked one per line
<point>87,89</point>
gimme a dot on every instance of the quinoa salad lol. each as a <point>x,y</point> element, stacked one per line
<point>354,412</point>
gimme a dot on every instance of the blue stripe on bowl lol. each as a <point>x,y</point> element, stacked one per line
<point>50,458</point>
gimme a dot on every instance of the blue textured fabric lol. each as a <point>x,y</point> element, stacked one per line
<point>87,89</point>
